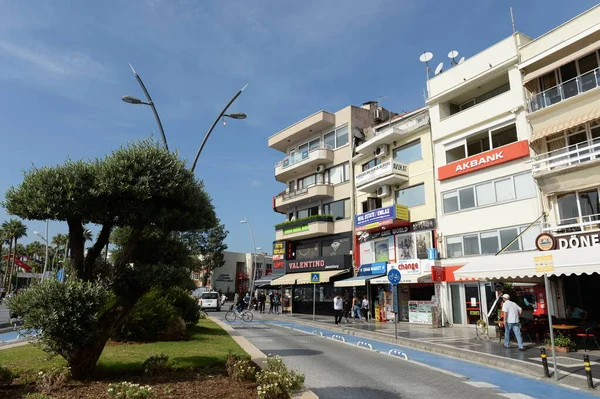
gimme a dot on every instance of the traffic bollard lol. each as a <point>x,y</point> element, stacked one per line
<point>588,371</point>
<point>545,363</point>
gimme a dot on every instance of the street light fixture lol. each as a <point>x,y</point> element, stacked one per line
<point>221,115</point>
<point>134,100</point>
<point>253,273</point>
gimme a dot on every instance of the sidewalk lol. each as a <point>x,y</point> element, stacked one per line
<point>462,343</point>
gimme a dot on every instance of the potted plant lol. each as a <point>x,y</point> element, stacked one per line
<point>562,343</point>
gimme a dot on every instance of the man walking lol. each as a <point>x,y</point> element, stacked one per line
<point>337,307</point>
<point>511,312</point>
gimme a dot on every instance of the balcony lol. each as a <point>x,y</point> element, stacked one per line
<point>389,172</point>
<point>393,133</point>
<point>314,192</point>
<point>572,156</point>
<point>563,91</point>
<point>303,163</point>
<point>568,227</point>
<point>313,226</point>
<point>302,130</point>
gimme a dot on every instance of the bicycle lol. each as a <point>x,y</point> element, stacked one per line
<point>233,314</point>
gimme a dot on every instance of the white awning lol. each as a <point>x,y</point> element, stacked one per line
<point>523,264</point>
<point>355,281</point>
<point>406,279</point>
<point>304,278</point>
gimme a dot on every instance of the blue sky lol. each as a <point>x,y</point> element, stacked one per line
<point>64,67</point>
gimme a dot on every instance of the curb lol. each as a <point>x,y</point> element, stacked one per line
<point>256,355</point>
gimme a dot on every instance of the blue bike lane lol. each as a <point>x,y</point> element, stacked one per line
<point>505,381</point>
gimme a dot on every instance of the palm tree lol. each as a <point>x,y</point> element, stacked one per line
<point>59,241</point>
<point>14,229</point>
<point>87,234</point>
<point>35,250</point>
<point>3,240</point>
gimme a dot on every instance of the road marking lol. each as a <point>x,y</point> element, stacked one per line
<point>516,396</point>
<point>481,384</point>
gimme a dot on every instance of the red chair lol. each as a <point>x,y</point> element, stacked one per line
<point>589,333</point>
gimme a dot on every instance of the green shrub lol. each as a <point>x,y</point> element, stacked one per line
<point>148,318</point>
<point>37,396</point>
<point>156,364</point>
<point>563,341</point>
<point>240,369</point>
<point>6,376</point>
<point>128,390</point>
<point>184,304</point>
<point>56,378</point>
<point>275,381</point>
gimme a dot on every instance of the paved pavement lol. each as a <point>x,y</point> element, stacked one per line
<point>4,317</point>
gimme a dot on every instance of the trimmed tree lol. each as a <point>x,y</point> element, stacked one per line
<point>141,188</point>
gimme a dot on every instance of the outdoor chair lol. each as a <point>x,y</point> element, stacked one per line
<point>588,334</point>
<point>528,328</point>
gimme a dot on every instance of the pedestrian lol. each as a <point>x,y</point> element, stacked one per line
<point>338,306</point>
<point>271,302</point>
<point>347,307</point>
<point>223,299</point>
<point>511,312</point>
<point>365,308</point>
<point>262,300</point>
<point>247,301</point>
<point>277,302</point>
<point>356,309</point>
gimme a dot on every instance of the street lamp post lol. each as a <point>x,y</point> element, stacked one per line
<point>37,233</point>
<point>134,100</point>
<point>245,221</point>
<point>221,115</point>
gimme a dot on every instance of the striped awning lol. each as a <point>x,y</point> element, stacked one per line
<point>576,120</point>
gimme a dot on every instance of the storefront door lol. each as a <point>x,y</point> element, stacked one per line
<point>472,302</point>
<point>455,300</point>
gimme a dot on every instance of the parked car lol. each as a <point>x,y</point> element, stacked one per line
<point>210,300</point>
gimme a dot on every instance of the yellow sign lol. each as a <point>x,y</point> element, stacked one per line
<point>402,212</point>
<point>543,263</point>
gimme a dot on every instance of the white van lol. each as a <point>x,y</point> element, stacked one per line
<point>210,300</point>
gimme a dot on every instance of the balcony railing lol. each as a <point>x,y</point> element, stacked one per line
<point>296,158</point>
<point>566,157</point>
<point>573,225</point>
<point>300,191</point>
<point>570,88</point>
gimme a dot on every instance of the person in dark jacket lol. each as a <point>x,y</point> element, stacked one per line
<point>347,307</point>
<point>262,299</point>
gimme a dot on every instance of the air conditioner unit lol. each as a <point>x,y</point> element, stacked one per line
<point>381,114</point>
<point>320,169</point>
<point>381,151</point>
<point>383,191</point>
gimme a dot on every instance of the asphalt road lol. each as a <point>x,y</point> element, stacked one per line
<point>336,370</point>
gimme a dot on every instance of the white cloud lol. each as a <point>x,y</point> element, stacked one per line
<point>255,183</point>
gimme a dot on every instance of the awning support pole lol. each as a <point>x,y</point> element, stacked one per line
<point>520,234</point>
<point>550,309</point>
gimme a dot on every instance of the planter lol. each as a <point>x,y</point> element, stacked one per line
<point>562,349</point>
<point>303,222</point>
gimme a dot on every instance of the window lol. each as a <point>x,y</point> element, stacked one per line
<point>509,188</point>
<point>337,138</point>
<point>409,153</point>
<point>307,250</point>
<point>338,209</point>
<point>337,246</point>
<point>338,174</point>
<point>314,144</point>
<point>292,186</point>
<point>405,246</point>
<point>371,204</point>
<point>306,181</point>
<point>291,216</point>
<point>372,163</point>
<point>411,196</point>
<point>382,250</point>
<point>312,211</point>
<point>424,241</point>
<point>480,142</point>
<point>490,242</point>
<point>477,100</point>
<point>578,207</point>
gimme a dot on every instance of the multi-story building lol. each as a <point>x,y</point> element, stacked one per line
<point>562,82</point>
<point>316,235</point>
<point>487,199</point>
<point>395,211</point>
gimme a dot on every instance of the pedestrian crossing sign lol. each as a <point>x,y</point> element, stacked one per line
<point>315,278</point>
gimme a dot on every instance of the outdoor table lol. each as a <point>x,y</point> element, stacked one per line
<point>565,328</point>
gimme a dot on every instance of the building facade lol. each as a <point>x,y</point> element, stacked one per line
<point>316,233</point>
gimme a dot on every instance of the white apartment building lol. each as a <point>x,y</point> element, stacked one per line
<point>486,195</point>
<point>316,233</point>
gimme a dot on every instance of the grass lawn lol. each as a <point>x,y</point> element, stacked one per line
<point>208,346</point>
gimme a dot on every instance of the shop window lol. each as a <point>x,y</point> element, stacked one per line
<point>405,246</point>
<point>411,196</point>
<point>338,246</point>
<point>307,250</point>
<point>382,250</point>
<point>423,242</point>
<point>409,153</point>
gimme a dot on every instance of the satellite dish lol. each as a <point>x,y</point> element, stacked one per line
<point>462,59</point>
<point>453,54</point>
<point>356,132</point>
<point>426,57</point>
<point>439,68</point>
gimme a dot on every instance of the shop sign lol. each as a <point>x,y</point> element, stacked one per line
<point>438,273</point>
<point>543,264</point>
<point>372,269</point>
<point>278,250</point>
<point>337,262</point>
<point>409,266</point>
<point>380,217</point>
<point>224,277</point>
<point>428,224</point>
<point>388,167</point>
<point>547,242</point>
<point>484,160</point>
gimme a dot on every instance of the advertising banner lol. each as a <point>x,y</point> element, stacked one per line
<point>338,262</point>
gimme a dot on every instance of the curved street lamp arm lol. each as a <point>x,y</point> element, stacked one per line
<point>214,124</point>
<point>151,104</point>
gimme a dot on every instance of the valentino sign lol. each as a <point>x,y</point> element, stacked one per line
<point>485,159</point>
<point>547,242</point>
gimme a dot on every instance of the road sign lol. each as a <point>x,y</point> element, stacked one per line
<point>394,276</point>
<point>315,278</point>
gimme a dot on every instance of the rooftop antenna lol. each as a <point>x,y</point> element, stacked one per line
<point>439,68</point>
<point>452,55</point>
<point>426,57</point>
<point>512,20</point>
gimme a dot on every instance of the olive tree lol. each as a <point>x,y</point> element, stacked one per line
<point>141,188</point>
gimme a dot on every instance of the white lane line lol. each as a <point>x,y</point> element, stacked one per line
<point>481,384</point>
<point>516,396</point>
